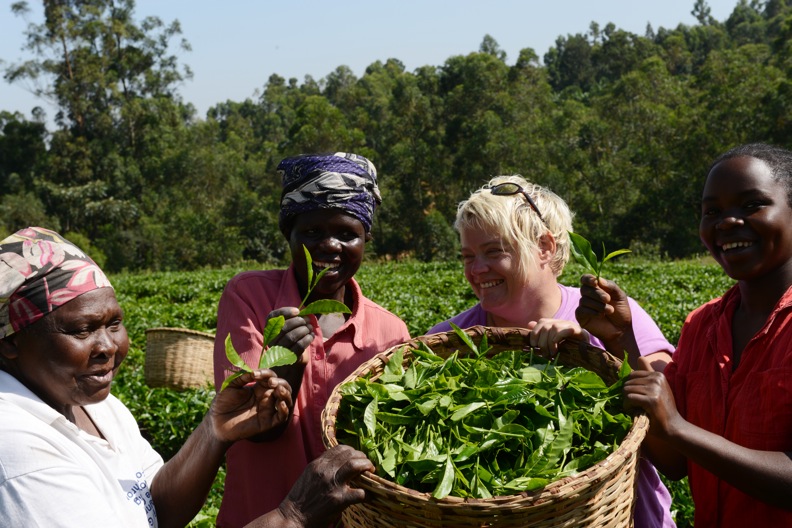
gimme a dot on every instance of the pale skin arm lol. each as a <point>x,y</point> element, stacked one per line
<point>251,404</point>
<point>764,475</point>
<point>321,493</point>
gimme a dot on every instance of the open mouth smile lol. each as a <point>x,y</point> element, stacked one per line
<point>735,245</point>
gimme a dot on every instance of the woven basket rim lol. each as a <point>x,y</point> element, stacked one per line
<point>188,331</point>
<point>553,492</point>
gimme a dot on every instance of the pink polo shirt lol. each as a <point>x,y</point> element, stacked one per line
<point>260,475</point>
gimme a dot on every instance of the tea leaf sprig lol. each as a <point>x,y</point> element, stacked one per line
<point>276,355</point>
<point>585,256</point>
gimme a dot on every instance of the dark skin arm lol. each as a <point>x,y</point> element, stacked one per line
<point>321,493</point>
<point>764,475</point>
<point>296,335</point>
<point>251,404</point>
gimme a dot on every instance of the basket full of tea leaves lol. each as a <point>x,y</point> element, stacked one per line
<point>475,428</point>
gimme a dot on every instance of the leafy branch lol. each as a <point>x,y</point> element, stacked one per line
<point>585,256</point>
<point>276,355</point>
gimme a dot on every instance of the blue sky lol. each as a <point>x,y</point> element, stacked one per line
<point>238,44</point>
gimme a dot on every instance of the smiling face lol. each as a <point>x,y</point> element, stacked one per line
<point>70,356</point>
<point>745,220</point>
<point>492,270</point>
<point>336,242</point>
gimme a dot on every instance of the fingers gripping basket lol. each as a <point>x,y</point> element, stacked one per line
<point>178,358</point>
<point>602,495</point>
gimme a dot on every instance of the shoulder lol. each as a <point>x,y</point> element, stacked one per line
<point>246,279</point>
<point>471,317</point>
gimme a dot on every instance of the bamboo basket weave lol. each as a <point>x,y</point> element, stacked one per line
<point>602,495</point>
<point>178,358</point>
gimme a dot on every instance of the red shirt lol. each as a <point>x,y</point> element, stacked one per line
<point>260,475</point>
<point>750,406</point>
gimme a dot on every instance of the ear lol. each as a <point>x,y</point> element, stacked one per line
<point>8,349</point>
<point>547,247</point>
<point>369,237</point>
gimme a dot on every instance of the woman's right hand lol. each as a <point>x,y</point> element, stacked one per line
<point>650,391</point>
<point>323,490</point>
<point>604,310</point>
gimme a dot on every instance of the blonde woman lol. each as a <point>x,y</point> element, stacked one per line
<point>514,245</point>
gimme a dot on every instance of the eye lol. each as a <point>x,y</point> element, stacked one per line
<point>466,258</point>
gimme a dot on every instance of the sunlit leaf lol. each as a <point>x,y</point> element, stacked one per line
<point>325,306</point>
<point>232,355</point>
<point>277,356</point>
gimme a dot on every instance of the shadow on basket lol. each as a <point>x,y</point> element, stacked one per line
<point>602,495</point>
<point>178,358</point>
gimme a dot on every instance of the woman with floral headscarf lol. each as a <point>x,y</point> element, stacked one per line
<point>327,207</point>
<point>71,454</point>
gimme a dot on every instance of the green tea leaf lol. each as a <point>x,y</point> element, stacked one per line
<point>233,357</point>
<point>615,254</point>
<point>446,483</point>
<point>309,272</point>
<point>582,252</point>
<point>277,356</point>
<point>231,378</point>
<point>465,338</point>
<point>273,328</point>
<point>325,306</point>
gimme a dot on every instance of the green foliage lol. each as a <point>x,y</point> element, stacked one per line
<point>618,124</point>
<point>475,426</point>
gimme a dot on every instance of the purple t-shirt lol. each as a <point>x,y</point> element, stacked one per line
<point>653,504</point>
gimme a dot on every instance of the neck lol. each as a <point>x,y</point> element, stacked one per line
<point>536,303</point>
<point>762,294</point>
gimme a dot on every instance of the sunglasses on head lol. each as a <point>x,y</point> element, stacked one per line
<point>510,189</point>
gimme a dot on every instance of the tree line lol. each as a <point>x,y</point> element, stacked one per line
<point>623,126</point>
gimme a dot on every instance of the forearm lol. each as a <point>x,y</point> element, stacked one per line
<point>764,475</point>
<point>281,517</point>
<point>180,488</point>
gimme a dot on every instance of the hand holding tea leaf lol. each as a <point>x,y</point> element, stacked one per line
<point>584,255</point>
<point>275,355</point>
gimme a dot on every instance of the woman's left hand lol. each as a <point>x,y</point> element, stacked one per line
<point>546,333</point>
<point>252,404</point>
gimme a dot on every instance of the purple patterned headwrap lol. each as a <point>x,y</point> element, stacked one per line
<point>328,181</point>
<point>40,271</point>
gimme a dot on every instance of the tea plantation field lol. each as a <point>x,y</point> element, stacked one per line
<point>422,294</point>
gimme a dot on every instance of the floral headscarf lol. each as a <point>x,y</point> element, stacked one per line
<point>40,271</point>
<point>329,181</point>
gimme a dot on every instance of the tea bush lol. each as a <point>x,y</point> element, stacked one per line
<point>422,294</point>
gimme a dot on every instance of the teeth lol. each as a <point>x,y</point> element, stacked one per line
<point>323,265</point>
<point>732,245</point>
<point>490,284</point>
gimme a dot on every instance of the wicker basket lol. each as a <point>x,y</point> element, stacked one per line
<point>602,495</point>
<point>178,358</point>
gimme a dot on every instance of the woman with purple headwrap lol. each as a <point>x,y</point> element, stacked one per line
<point>71,454</point>
<point>327,207</point>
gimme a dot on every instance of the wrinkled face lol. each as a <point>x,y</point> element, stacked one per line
<point>70,356</point>
<point>745,219</point>
<point>491,268</point>
<point>336,242</point>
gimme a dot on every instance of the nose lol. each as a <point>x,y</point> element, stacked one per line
<point>478,265</point>
<point>331,244</point>
<point>105,345</point>
<point>728,221</point>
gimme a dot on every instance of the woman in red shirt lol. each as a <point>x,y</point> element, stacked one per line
<point>722,411</point>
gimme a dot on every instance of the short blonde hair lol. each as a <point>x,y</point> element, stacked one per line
<point>513,219</point>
